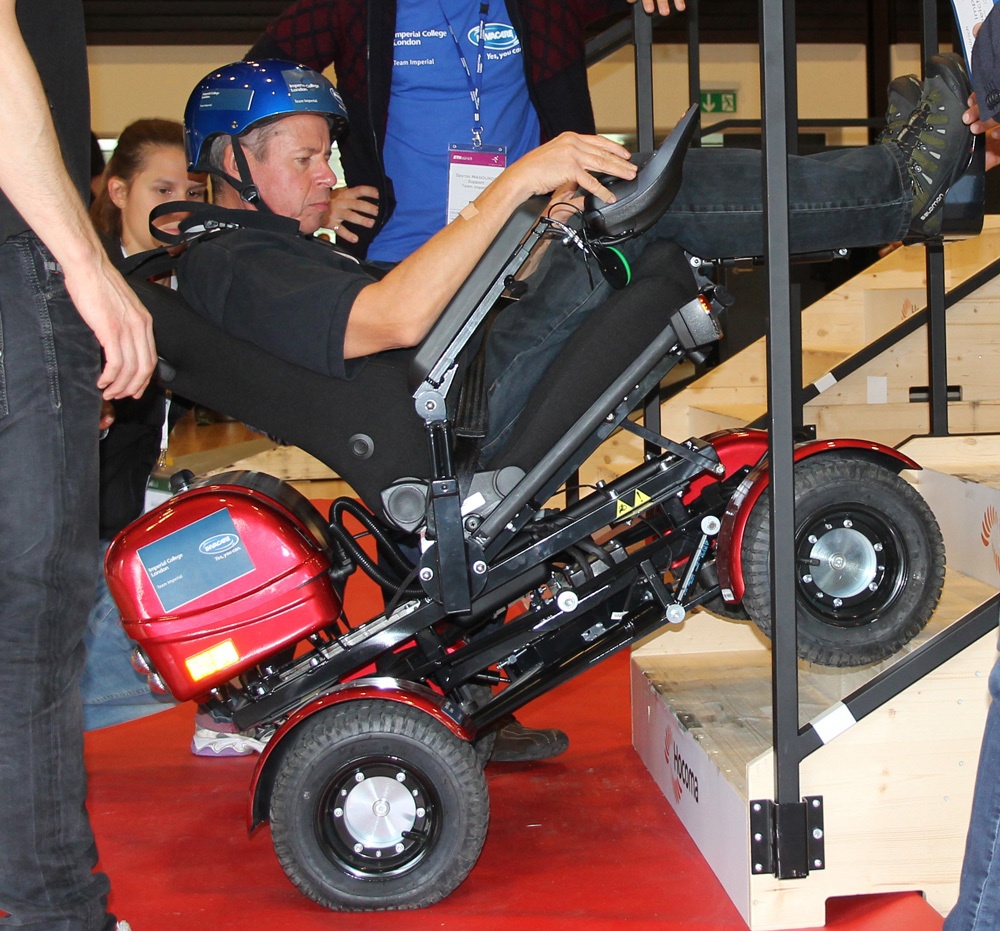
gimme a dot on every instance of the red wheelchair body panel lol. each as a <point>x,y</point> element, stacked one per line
<point>217,580</point>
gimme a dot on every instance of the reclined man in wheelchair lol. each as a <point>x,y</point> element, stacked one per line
<point>335,376</point>
<point>271,284</point>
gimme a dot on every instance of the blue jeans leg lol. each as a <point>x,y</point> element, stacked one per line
<point>847,197</point>
<point>529,334</point>
<point>49,405</point>
<point>978,905</point>
<point>113,692</point>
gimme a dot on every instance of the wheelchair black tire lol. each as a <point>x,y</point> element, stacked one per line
<point>378,806</point>
<point>882,566</point>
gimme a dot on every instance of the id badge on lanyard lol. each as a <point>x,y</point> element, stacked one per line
<point>158,483</point>
<point>471,167</point>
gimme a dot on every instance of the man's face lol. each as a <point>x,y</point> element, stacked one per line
<point>294,177</point>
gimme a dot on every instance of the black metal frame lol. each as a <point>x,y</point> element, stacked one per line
<point>783,831</point>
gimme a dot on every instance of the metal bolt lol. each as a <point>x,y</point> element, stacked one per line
<point>817,833</point>
<point>817,863</point>
<point>479,567</point>
<point>426,574</point>
<point>807,578</point>
<point>848,523</point>
<point>877,547</point>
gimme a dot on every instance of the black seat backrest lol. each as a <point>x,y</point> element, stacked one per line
<point>365,429</point>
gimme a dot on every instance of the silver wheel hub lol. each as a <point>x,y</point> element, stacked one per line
<point>844,563</point>
<point>379,811</point>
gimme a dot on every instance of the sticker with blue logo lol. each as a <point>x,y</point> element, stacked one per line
<point>498,37</point>
<point>195,560</point>
<point>227,98</point>
<point>304,91</point>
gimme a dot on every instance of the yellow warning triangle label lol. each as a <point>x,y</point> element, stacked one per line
<point>624,508</point>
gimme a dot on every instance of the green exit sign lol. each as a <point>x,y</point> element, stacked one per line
<point>718,101</point>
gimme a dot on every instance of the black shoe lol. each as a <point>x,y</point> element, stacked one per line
<point>904,96</point>
<point>936,143</point>
<point>519,744</point>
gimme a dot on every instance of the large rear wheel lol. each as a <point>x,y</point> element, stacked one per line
<point>378,806</point>
<point>869,561</point>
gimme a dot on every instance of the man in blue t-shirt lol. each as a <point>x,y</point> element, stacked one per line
<point>459,112</point>
<point>408,71</point>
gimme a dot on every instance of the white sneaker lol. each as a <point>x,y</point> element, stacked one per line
<point>217,743</point>
<point>123,926</point>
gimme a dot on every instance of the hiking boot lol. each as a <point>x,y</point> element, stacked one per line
<point>904,95</point>
<point>935,142</point>
<point>519,744</point>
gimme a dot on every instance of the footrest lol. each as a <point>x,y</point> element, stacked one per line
<point>965,202</point>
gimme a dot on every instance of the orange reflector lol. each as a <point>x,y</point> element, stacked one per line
<point>213,660</point>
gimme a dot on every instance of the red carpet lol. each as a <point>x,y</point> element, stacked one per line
<point>586,841</point>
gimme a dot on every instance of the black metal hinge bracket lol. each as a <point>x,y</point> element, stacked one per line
<point>788,840</point>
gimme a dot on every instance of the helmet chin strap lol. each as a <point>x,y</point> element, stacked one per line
<point>248,191</point>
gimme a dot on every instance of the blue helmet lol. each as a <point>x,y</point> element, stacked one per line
<point>237,97</point>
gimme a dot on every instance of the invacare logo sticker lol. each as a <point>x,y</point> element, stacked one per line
<point>195,559</point>
<point>499,37</point>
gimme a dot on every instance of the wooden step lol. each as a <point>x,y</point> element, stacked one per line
<point>896,786</point>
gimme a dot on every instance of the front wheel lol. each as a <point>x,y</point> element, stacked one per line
<point>869,561</point>
<point>378,806</point>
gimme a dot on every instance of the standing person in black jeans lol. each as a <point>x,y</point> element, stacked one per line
<point>60,302</point>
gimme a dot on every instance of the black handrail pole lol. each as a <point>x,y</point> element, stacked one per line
<point>642,23</point>
<point>694,55</point>
<point>792,147</point>
<point>790,824</point>
<point>937,327</point>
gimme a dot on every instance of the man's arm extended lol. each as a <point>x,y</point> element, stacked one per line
<point>399,310</point>
<point>34,178</point>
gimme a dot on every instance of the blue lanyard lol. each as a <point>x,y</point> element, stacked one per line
<point>475,84</point>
